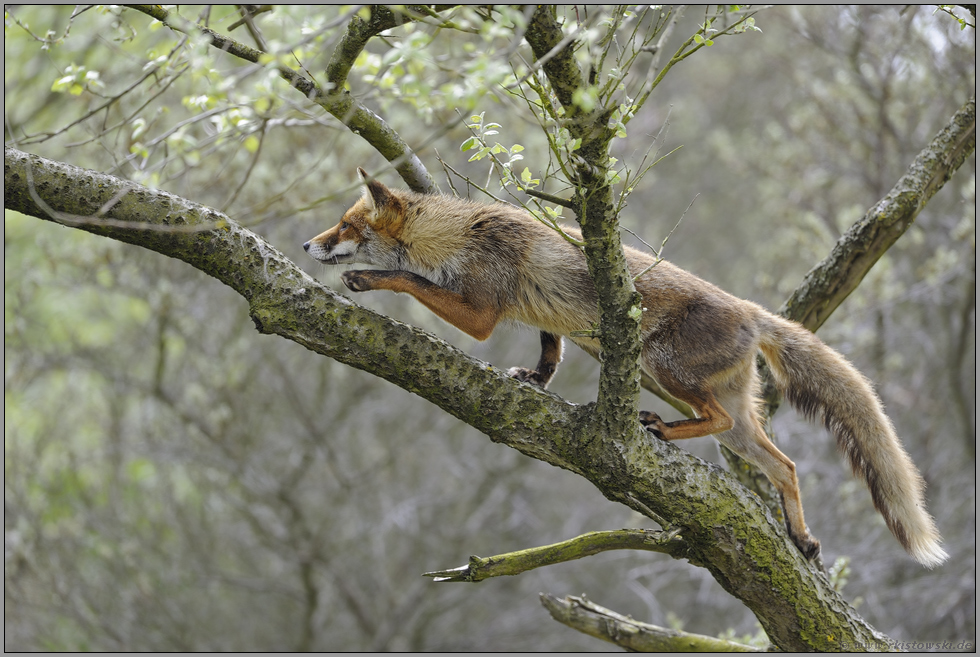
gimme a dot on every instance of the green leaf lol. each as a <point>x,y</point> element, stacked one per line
<point>482,153</point>
<point>262,105</point>
<point>62,84</point>
<point>138,128</point>
<point>585,98</point>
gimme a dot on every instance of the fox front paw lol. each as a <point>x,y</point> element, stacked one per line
<point>653,423</point>
<point>528,376</point>
<point>357,281</point>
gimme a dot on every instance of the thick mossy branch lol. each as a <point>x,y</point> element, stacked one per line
<point>360,31</point>
<point>725,528</point>
<point>286,301</point>
<point>589,618</point>
<point>544,35</point>
<point>586,545</point>
<point>826,286</point>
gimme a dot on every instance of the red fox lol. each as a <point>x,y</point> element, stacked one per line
<point>475,265</point>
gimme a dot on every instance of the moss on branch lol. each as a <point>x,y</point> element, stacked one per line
<point>586,545</point>
<point>594,620</point>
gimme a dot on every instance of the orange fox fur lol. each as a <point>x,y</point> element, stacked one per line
<point>475,265</point>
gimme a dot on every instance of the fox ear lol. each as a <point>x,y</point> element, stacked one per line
<point>381,202</point>
<point>377,196</point>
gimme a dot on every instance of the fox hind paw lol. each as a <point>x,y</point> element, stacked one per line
<point>809,547</point>
<point>527,375</point>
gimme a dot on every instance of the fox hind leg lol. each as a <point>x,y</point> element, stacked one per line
<point>739,429</point>
<point>711,417</point>
<point>748,439</point>
<point>550,357</point>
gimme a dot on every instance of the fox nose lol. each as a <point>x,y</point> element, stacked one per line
<point>306,246</point>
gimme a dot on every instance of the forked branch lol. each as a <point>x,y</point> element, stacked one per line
<point>335,99</point>
<point>589,618</point>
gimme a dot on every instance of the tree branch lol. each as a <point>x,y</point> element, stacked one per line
<point>589,618</point>
<point>546,40</point>
<point>831,281</point>
<point>826,286</point>
<point>586,545</point>
<point>685,50</point>
<point>283,299</point>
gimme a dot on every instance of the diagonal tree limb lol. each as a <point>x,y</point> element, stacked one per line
<point>360,31</point>
<point>826,286</point>
<point>724,527</point>
<point>283,299</point>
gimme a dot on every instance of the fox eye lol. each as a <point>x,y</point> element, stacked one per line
<point>344,225</point>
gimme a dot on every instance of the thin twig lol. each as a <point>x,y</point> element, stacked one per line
<point>658,255</point>
<point>251,167</point>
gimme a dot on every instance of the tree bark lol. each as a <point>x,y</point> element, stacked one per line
<point>586,545</point>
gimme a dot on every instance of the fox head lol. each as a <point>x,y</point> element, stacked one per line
<point>369,232</point>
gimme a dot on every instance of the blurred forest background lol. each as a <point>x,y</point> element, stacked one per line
<point>175,481</point>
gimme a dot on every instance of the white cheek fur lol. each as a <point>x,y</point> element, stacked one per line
<point>343,249</point>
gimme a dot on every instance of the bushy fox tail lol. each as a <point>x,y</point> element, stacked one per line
<point>822,384</point>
